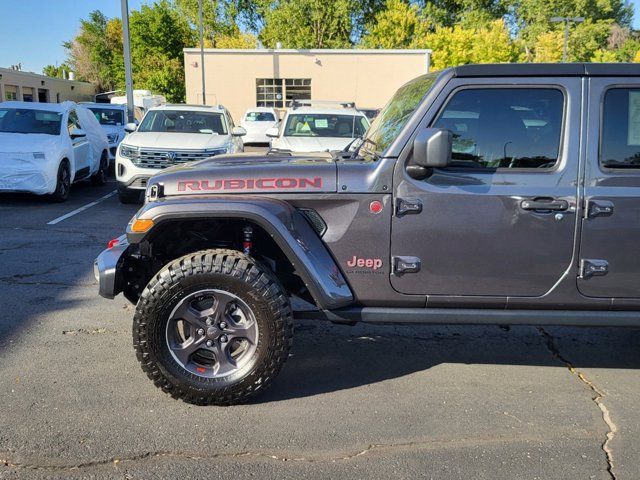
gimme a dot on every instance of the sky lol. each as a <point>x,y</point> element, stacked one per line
<point>32,31</point>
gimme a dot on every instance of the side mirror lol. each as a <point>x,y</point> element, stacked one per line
<point>431,149</point>
<point>77,133</point>
<point>272,132</point>
<point>238,132</point>
<point>131,127</point>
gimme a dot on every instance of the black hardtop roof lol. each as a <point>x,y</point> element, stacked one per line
<point>548,70</point>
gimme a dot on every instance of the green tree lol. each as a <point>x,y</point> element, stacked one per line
<point>457,45</point>
<point>54,71</point>
<point>399,25</point>
<point>308,24</point>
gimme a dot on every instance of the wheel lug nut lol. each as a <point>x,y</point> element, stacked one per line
<point>209,343</point>
<point>200,331</point>
<point>223,325</point>
<point>223,338</point>
<point>209,322</point>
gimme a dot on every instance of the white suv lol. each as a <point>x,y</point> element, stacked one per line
<point>312,128</point>
<point>169,135</point>
<point>112,119</point>
<point>256,121</point>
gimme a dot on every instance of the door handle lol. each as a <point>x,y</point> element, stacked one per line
<point>544,205</point>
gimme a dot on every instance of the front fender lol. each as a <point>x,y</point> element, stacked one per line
<point>289,229</point>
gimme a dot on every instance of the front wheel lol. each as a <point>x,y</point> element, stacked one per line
<point>63,183</point>
<point>100,177</point>
<point>213,328</point>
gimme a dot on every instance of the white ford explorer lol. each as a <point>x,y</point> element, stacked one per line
<point>170,135</point>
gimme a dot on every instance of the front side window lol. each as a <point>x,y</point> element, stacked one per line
<point>504,127</point>
<point>72,122</point>
<point>108,116</point>
<point>17,120</point>
<point>183,121</point>
<point>620,139</point>
<point>325,125</point>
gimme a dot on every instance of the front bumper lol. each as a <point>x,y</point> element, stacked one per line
<point>105,268</point>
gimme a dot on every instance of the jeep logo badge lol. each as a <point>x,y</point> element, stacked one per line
<point>171,156</point>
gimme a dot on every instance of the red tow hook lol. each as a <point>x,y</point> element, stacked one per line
<point>113,243</point>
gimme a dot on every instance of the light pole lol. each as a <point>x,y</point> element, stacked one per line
<point>128,79</point>
<point>566,21</point>
<point>204,95</point>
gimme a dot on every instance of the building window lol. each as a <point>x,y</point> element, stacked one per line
<point>269,92</point>
<point>27,94</point>
<point>280,92</point>
<point>10,92</point>
<point>297,89</point>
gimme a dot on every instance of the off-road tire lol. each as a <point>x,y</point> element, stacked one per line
<point>100,177</point>
<point>220,269</point>
<point>128,197</point>
<point>63,183</point>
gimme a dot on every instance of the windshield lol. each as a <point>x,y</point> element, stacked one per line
<point>183,121</point>
<point>18,120</point>
<point>259,117</point>
<point>395,115</point>
<point>107,116</point>
<point>325,125</point>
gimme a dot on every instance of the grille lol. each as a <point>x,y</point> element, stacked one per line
<point>156,158</point>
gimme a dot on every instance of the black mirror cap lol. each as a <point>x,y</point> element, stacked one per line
<point>432,148</point>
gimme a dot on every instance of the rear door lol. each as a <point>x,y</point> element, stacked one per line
<point>500,221</point>
<point>610,242</point>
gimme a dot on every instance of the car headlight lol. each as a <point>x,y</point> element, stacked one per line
<point>112,137</point>
<point>128,152</point>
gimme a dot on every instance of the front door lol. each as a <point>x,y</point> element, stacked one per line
<point>610,263</point>
<point>500,221</point>
<point>81,147</point>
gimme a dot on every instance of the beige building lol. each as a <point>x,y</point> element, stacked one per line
<point>240,79</point>
<point>31,87</point>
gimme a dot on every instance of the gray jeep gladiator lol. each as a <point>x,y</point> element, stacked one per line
<point>506,194</point>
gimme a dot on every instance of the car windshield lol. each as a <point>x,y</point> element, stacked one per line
<point>325,125</point>
<point>259,117</point>
<point>183,121</point>
<point>19,120</point>
<point>108,116</point>
<point>395,115</point>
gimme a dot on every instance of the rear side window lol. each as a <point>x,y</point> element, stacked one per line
<point>504,127</point>
<point>620,139</point>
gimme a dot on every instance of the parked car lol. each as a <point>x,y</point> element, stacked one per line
<point>45,147</point>
<point>171,135</point>
<point>318,126</point>
<point>256,121</point>
<point>370,113</point>
<point>112,119</point>
<point>501,194</point>
<point>143,100</point>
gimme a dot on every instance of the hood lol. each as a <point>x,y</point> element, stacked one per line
<point>312,144</point>
<point>258,126</point>
<point>178,141</point>
<point>112,128</point>
<point>28,142</point>
<point>249,174</point>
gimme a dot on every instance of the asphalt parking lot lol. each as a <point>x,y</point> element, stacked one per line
<point>360,402</point>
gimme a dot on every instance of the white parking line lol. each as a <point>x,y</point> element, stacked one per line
<point>81,209</point>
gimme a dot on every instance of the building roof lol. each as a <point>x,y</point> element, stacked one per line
<point>314,51</point>
<point>548,70</point>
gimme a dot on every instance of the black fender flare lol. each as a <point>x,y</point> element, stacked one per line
<point>289,229</point>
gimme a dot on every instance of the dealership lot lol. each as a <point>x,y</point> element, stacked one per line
<point>363,402</point>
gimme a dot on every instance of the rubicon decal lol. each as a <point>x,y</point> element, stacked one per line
<point>287,183</point>
<point>372,263</point>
